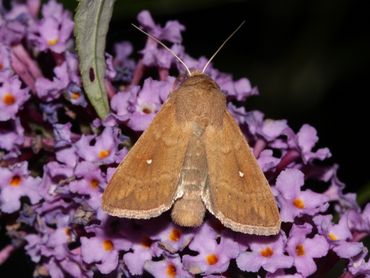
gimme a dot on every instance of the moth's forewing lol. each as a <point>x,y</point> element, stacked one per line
<point>145,183</point>
<point>238,192</point>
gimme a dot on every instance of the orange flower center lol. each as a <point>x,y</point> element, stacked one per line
<point>75,95</point>
<point>8,99</point>
<point>103,154</point>
<point>94,183</point>
<point>298,203</point>
<point>175,235</point>
<point>1,66</point>
<point>146,242</point>
<point>147,110</point>
<point>108,245</point>
<point>68,233</point>
<point>171,270</point>
<point>52,42</point>
<point>15,181</point>
<point>299,250</point>
<point>267,252</point>
<point>332,236</point>
<point>212,259</point>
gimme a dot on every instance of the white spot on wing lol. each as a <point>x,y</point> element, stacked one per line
<point>149,161</point>
<point>241,174</point>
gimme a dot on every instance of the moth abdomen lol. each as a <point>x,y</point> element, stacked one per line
<point>189,210</point>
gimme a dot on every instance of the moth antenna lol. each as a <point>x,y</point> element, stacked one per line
<point>222,45</point>
<point>165,46</point>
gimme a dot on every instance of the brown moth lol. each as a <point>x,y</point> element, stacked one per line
<point>194,157</point>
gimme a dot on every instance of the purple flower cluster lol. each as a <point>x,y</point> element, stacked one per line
<point>56,159</point>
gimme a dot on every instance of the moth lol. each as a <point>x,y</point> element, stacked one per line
<point>193,157</point>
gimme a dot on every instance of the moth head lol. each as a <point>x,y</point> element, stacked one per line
<point>201,80</point>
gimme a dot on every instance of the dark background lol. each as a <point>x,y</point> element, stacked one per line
<point>310,60</point>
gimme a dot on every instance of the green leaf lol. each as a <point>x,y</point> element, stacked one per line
<point>91,26</point>
<point>363,195</point>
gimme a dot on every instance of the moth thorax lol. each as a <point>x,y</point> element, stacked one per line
<point>200,100</point>
<point>188,212</point>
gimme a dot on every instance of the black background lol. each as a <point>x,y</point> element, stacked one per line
<point>309,59</point>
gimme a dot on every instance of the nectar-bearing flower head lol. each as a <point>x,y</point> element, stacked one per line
<point>304,249</point>
<point>12,97</point>
<point>56,158</point>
